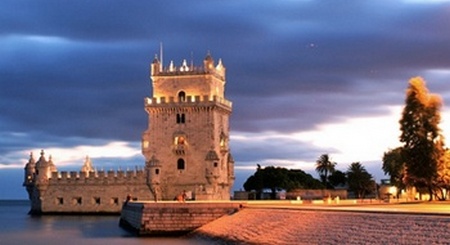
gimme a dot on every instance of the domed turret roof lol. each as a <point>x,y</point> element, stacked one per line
<point>211,156</point>
<point>42,162</point>
<point>31,164</point>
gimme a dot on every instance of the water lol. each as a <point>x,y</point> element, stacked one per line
<point>17,227</point>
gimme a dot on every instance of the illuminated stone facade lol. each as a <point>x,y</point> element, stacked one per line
<point>186,149</point>
<point>186,145</point>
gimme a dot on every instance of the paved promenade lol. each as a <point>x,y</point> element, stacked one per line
<point>355,223</point>
<point>435,207</point>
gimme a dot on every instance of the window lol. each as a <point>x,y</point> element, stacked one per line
<point>182,96</point>
<point>60,201</point>
<point>76,201</point>
<point>157,171</point>
<point>97,200</point>
<point>179,140</point>
<point>180,118</point>
<point>180,164</point>
<point>215,164</point>
<point>115,201</point>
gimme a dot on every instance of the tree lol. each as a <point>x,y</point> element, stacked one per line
<point>337,178</point>
<point>359,180</point>
<point>298,179</point>
<point>394,166</point>
<point>275,178</point>
<point>324,166</point>
<point>442,184</point>
<point>421,136</point>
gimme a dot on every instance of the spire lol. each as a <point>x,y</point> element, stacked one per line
<point>220,65</point>
<point>184,66</point>
<point>171,66</point>
<point>161,56</point>
<point>51,164</point>
<point>87,166</point>
<point>31,160</point>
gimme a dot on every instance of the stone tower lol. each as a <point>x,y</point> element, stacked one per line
<point>186,144</point>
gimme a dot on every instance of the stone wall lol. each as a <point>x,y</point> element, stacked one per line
<point>80,192</point>
<point>168,218</point>
<point>309,194</point>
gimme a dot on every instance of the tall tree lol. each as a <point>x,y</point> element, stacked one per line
<point>275,178</point>
<point>421,136</point>
<point>324,166</point>
<point>359,180</point>
<point>394,166</point>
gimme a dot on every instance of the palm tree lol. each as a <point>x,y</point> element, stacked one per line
<point>324,166</point>
<point>359,180</point>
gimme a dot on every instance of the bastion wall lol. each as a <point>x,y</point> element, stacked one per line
<point>168,218</point>
<point>84,192</point>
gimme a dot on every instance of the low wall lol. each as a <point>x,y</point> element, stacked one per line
<point>172,218</point>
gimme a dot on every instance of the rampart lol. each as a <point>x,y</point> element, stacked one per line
<point>87,192</point>
<point>172,218</point>
<point>97,177</point>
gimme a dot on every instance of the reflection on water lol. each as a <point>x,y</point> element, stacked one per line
<point>17,227</point>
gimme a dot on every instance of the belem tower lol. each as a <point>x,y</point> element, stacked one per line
<point>186,149</point>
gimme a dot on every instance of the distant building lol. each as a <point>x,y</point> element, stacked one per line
<point>186,149</point>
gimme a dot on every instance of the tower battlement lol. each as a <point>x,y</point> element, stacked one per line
<point>208,68</point>
<point>190,100</point>
<point>97,177</point>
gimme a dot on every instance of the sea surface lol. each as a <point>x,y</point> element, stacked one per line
<point>17,227</point>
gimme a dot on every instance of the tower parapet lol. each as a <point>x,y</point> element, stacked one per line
<point>157,69</point>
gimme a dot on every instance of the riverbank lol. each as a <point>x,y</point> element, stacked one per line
<point>315,226</point>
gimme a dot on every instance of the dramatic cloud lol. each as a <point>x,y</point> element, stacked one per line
<point>302,75</point>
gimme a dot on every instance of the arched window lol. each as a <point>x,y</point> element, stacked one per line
<point>180,164</point>
<point>182,96</point>
<point>179,140</point>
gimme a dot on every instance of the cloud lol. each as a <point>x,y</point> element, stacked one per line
<point>299,73</point>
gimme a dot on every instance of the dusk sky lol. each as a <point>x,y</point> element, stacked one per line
<point>306,77</point>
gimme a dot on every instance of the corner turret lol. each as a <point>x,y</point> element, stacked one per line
<point>153,167</point>
<point>42,169</point>
<point>155,66</point>
<point>208,62</point>
<point>30,170</point>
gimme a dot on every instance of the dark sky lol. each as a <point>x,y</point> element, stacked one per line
<point>305,77</point>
